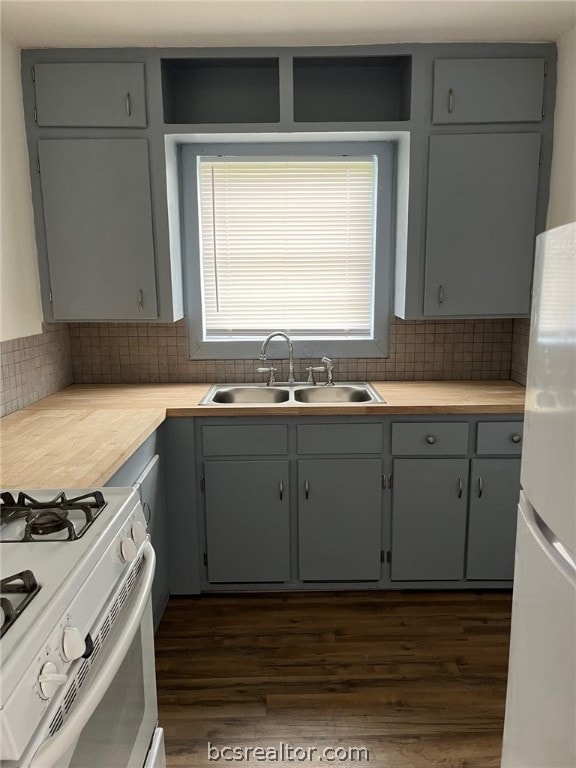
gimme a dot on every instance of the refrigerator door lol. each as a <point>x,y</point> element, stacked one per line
<point>540,723</point>
<point>549,453</point>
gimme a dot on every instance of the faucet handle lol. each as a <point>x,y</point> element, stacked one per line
<point>312,370</point>
<point>271,371</point>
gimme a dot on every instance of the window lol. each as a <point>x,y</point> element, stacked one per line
<point>295,240</point>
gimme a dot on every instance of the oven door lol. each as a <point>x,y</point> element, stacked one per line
<point>112,722</point>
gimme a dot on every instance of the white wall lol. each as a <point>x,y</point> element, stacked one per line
<point>562,207</point>
<point>20,309</point>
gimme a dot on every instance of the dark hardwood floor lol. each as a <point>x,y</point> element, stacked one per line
<point>418,679</point>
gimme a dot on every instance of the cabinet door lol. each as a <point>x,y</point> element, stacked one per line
<point>339,519</point>
<point>247,521</point>
<point>481,223</point>
<point>98,219</point>
<point>494,494</point>
<point>429,503</point>
<point>488,90</point>
<point>90,95</point>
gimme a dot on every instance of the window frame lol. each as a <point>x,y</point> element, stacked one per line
<point>385,150</point>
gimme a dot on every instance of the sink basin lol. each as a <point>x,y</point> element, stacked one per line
<point>245,394</point>
<point>260,394</point>
<point>338,393</point>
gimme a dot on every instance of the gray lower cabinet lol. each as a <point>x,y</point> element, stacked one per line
<point>429,504</point>
<point>247,521</point>
<point>482,194</point>
<point>494,492</point>
<point>339,519</point>
<point>98,221</point>
<point>409,502</point>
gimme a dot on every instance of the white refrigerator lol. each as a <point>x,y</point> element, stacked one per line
<point>540,721</point>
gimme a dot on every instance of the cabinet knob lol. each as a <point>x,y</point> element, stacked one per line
<point>430,439</point>
<point>516,438</point>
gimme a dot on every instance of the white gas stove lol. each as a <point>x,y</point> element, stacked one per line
<point>76,570</point>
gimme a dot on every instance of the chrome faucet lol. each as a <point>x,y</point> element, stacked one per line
<point>290,352</point>
<point>329,368</point>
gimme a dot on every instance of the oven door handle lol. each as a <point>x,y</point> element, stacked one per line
<point>53,748</point>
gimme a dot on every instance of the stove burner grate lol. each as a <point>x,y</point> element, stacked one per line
<point>17,584</point>
<point>44,523</point>
<point>44,518</point>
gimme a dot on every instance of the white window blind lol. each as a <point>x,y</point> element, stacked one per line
<point>287,244</point>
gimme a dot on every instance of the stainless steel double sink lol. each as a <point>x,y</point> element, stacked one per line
<point>296,394</point>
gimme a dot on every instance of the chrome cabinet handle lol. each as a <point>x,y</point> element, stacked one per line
<point>430,439</point>
<point>516,438</point>
<point>128,104</point>
<point>460,487</point>
<point>440,295</point>
<point>306,489</point>
<point>281,489</point>
<point>480,488</point>
<point>141,299</point>
<point>450,100</point>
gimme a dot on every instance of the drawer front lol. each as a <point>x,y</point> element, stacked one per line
<point>340,438</point>
<point>488,90</point>
<point>499,437</point>
<point>91,95</point>
<point>245,440</point>
<point>430,439</point>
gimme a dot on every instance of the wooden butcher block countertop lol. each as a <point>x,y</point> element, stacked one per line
<point>80,436</point>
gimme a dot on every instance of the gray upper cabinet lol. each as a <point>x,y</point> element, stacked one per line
<point>488,90</point>
<point>482,192</point>
<point>90,95</point>
<point>98,223</point>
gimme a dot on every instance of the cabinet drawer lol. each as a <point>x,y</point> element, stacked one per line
<point>430,439</point>
<point>499,437</point>
<point>340,438</point>
<point>91,95</point>
<point>488,90</point>
<point>245,440</point>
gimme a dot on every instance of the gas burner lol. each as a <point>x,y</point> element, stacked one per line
<point>23,583</point>
<point>46,522</point>
<point>28,519</point>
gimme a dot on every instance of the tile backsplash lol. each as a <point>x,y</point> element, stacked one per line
<point>101,353</point>
<point>520,338</point>
<point>149,353</point>
<point>34,367</point>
